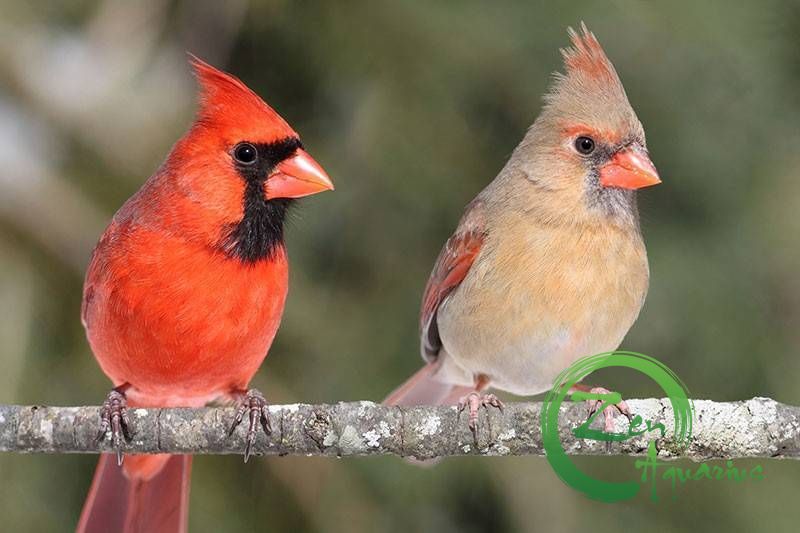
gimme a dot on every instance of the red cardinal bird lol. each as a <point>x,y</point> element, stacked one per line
<point>547,264</point>
<point>186,288</point>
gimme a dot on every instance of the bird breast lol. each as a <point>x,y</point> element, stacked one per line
<point>538,298</point>
<point>179,321</point>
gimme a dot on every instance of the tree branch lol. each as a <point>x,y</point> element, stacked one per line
<point>754,428</point>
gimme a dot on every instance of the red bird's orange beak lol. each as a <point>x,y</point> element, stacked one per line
<point>630,168</point>
<point>297,176</point>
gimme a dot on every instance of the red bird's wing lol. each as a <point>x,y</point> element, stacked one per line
<point>451,268</point>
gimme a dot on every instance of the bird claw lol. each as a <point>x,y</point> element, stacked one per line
<point>474,400</point>
<point>114,416</point>
<point>608,414</point>
<point>254,402</point>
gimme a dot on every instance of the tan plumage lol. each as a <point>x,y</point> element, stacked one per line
<point>548,263</point>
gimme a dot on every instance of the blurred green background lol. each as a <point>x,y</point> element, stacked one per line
<point>412,107</point>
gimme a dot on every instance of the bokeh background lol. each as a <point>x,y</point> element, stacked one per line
<point>412,107</point>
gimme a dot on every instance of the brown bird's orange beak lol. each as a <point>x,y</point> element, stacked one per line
<point>629,168</point>
<point>298,176</point>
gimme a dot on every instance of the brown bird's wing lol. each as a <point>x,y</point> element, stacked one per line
<point>451,268</point>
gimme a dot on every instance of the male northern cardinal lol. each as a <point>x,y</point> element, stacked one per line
<point>186,288</point>
<point>547,264</point>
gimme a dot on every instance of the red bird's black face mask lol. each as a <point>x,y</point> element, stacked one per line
<point>274,174</point>
<point>286,169</point>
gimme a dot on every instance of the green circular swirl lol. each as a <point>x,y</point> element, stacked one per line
<point>672,386</point>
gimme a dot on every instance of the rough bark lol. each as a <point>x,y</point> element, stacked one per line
<point>760,427</point>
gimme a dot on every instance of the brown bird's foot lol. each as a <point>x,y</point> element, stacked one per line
<point>474,401</point>
<point>114,416</point>
<point>253,402</point>
<point>608,414</point>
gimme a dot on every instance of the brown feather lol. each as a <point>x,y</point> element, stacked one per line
<point>451,267</point>
<point>547,265</point>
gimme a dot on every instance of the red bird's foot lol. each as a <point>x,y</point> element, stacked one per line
<point>474,401</point>
<point>114,416</point>
<point>608,414</point>
<point>254,402</point>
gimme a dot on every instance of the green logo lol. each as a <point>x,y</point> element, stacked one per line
<point>665,378</point>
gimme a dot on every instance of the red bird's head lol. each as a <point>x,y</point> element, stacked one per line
<point>236,171</point>
<point>587,144</point>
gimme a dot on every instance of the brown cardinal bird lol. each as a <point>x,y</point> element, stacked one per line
<point>547,264</point>
<point>186,288</point>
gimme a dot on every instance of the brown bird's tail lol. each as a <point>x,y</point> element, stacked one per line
<point>149,493</point>
<point>424,389</point>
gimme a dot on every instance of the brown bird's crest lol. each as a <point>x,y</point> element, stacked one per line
<point>586,57</point>
<point>589,94</point>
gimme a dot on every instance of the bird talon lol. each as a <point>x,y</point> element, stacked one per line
<point>114,417</point>
<point>237,417</point>
<point>254,403</point>
<point>265,421</point>
<point>608,414</point>
<point>462,404</point>
<point>474,400</point>
<point>492,400</point>
<point>623,409</point>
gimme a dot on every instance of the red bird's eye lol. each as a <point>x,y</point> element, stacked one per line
<point>584,145</point>
<point>245,153</point>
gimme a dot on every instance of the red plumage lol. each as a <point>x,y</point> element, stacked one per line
<point>186,288</point>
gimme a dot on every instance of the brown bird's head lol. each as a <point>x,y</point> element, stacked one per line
<point>587,146</point>
<point>235,172</point>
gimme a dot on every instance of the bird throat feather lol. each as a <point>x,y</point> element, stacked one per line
<point>259,234</point>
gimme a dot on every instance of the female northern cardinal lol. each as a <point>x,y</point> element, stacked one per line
<point>547,264</point>
<point>186,288</point>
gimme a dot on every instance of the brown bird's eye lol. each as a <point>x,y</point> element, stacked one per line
<point>245,153</point>
<point>584,145</point>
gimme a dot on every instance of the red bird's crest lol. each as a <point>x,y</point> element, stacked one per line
<point>227,104</point>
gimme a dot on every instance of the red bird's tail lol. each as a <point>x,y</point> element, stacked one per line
<point>424,389</point>
<point>148,494</point>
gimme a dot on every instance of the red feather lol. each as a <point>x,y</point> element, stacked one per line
<point>158,504</point>
<point>169,312</point>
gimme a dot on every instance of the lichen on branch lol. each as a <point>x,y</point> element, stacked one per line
<point>759,427</point>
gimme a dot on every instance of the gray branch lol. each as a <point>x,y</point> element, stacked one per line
<point>760,427</point>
